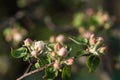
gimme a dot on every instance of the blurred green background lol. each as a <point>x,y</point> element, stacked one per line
<point>40,19</point>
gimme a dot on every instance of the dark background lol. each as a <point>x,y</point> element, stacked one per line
<point>61,12</point>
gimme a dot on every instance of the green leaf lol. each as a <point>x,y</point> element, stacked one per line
<point>93,62</point>
<point>37,65</point>
<point>26,58</point>
<point>80,53</point>
<point>7,31</point>
<point>19,53</point>
<point>74,49</point>
<point>78,40</point>
<point>50,73</point>
<point>50,46</point>
<point>44,59</point>
<point>66,73</point>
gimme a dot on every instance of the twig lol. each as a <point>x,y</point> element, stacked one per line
<point>27,70</point>
<point>32,72</point>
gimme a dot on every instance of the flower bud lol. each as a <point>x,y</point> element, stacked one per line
<point>34,54</point>
<point>102,49</point>
<point>81,29</point>
<point>92,39</point>
<point>92,28</point>
<point>57,46</point>
<point>17,37</point>
<point>105,17</point>
<point>100,40</point>
<point>52,39</point>
<point>62,52</point>
<point>87,34</point>
<point>57,65</point>
<point>89,12</point>
<point>53,54</point>
<point>27,42</point>
<point>39,45</point>
<point>70,61</point>
<point>60,38</point>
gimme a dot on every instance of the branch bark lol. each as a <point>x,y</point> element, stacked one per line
<point>27,70</point>
<point>32,72</point>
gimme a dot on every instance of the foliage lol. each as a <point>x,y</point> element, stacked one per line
<point>57,54</point>
<point>38,19</point>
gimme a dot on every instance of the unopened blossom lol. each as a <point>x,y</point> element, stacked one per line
<point>52,39</point>
<point>102,49</point>
<point>70,61</point>
<point>17,37</point>
<point>89,11</point>
<point>62,52</point>
<point>60,38</point>
<point>105,17</point>
<point>39,45</point>
<point>27,42</point>
<point>56,65</point>
<point>92,39</point>
<point>100,40</point>
<point>81,29</point>
<point>34,54</point>
<point>53,54</point>
<point>57,46</point>
<point>87,34</point>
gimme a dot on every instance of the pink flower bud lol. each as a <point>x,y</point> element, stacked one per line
<point>57,65</point>
<point>34,54</point>
<point>52,39</point>
<point>92,39</point>
<point>89,12</point>
<point>87,34</point>
<point>17,37</point>
<point>60,38</point>
<point>102,49</point>
<point>70,61</point>
<point>53,54</point>
<point>27,42</point>
<point>100,40</point>
<point>39,45</point>
<point>62,52</point>
<point>57,46</point>
<point>105,17</point>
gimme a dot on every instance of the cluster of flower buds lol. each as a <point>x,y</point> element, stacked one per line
<point>103,19</point>
<point>60,52</point>
<point>34,46</point>
<point>58,55</point>
<point>69,62</point>
<point>95,45</point>
<point>14,34</point>
<point>101,16</point>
